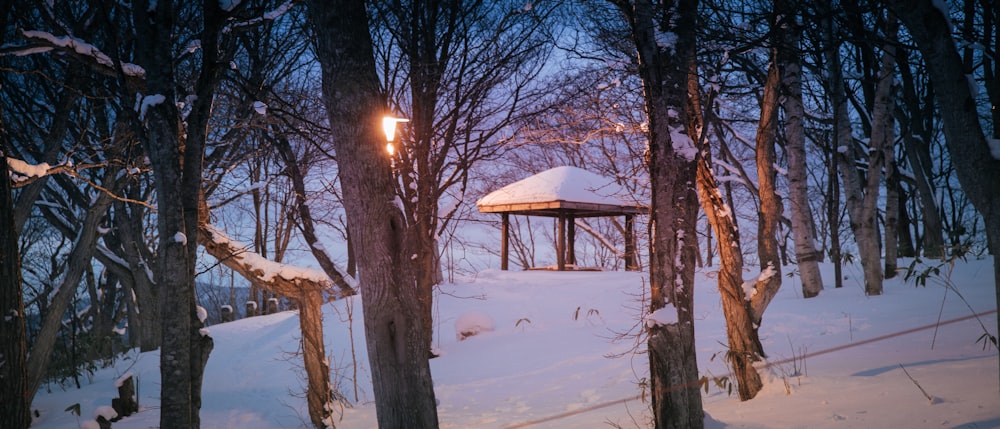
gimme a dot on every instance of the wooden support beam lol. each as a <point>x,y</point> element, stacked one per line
<point>561,242</point>
<point>504,241</point>
<point>630,262</point>
<point>571,251</point>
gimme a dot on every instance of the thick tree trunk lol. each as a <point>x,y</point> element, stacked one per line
<point>975,165</point>
<point>177,170</point>
<point>396,338</point>
<point>807,257</point>
<point>674,120</point>
<point>15,401</point>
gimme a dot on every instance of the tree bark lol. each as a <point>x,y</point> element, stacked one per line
<point>319,395</point>
<point>807,257</point>
<point>769,280</point>
<point>397,339</point>
<point>744,344</point>
<point>15,396</point>
<point>669,81</point>
<point>177,170</point>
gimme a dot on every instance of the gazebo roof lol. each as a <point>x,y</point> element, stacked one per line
<point>567,190</point>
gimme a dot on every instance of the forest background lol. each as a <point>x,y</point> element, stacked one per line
<point>147,140</point>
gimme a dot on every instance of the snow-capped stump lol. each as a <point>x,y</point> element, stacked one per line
<point>473,323</point>
<point>272,306</point>
<point>125,404</point>
<point>227,313</point>
<point>104,415</point>
<point>251,308</point>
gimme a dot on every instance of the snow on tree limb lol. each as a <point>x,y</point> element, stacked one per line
<point>287,280</point>
<point>267,16</point>
<point>41,41</point>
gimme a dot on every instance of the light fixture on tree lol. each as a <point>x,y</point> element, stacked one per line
<point>389,126</point>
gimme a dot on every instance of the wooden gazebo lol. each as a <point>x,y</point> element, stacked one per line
<point>564,193</point>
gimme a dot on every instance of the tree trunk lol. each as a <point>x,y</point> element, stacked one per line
<point>807,257</point>
<point>396,338</point>
<point>744,344</point>
<point>78,261</point>
<point>907,247</point>
<point>128,228</point>
<point>861,198</point>
<point>177,171</point>
<point>892,201</point>
<point>319,395</point>
<point>916,141</point>
<point>769,280</point>
<point>15,401</point>
<point>674,120</point>
<point>975,165</point>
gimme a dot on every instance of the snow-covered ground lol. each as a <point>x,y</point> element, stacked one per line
<point>562,346</point>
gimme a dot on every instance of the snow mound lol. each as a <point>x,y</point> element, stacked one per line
<point>473,323</point>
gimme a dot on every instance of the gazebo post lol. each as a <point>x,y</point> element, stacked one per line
<point>561,242</point>
<point>571,253</point>
<point>505,239</point>
<point>630,264</point>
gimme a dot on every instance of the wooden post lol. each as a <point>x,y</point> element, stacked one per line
<point>504,240</point>
<point>251,308</point>
<point>227,313</point>
<point>571,251</point>
<point>272,306</point>
<point>630,264</point>
<point>561,242</point>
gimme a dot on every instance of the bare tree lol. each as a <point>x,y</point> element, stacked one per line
<point>803,228</point>
<point>669,80</point>
<point>462,72</point>
<point>862,190</point>
<point>177,168</point>
<point>394,327</point>
<point>14,393</point>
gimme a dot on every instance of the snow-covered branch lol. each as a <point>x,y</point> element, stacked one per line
<point>41,41</point>
<point>267,16</point>
<point>287,280</point>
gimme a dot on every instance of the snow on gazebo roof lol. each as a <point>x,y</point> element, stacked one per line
<point>562,189</point>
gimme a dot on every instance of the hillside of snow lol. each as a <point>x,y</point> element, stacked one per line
<point>563,354</point>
